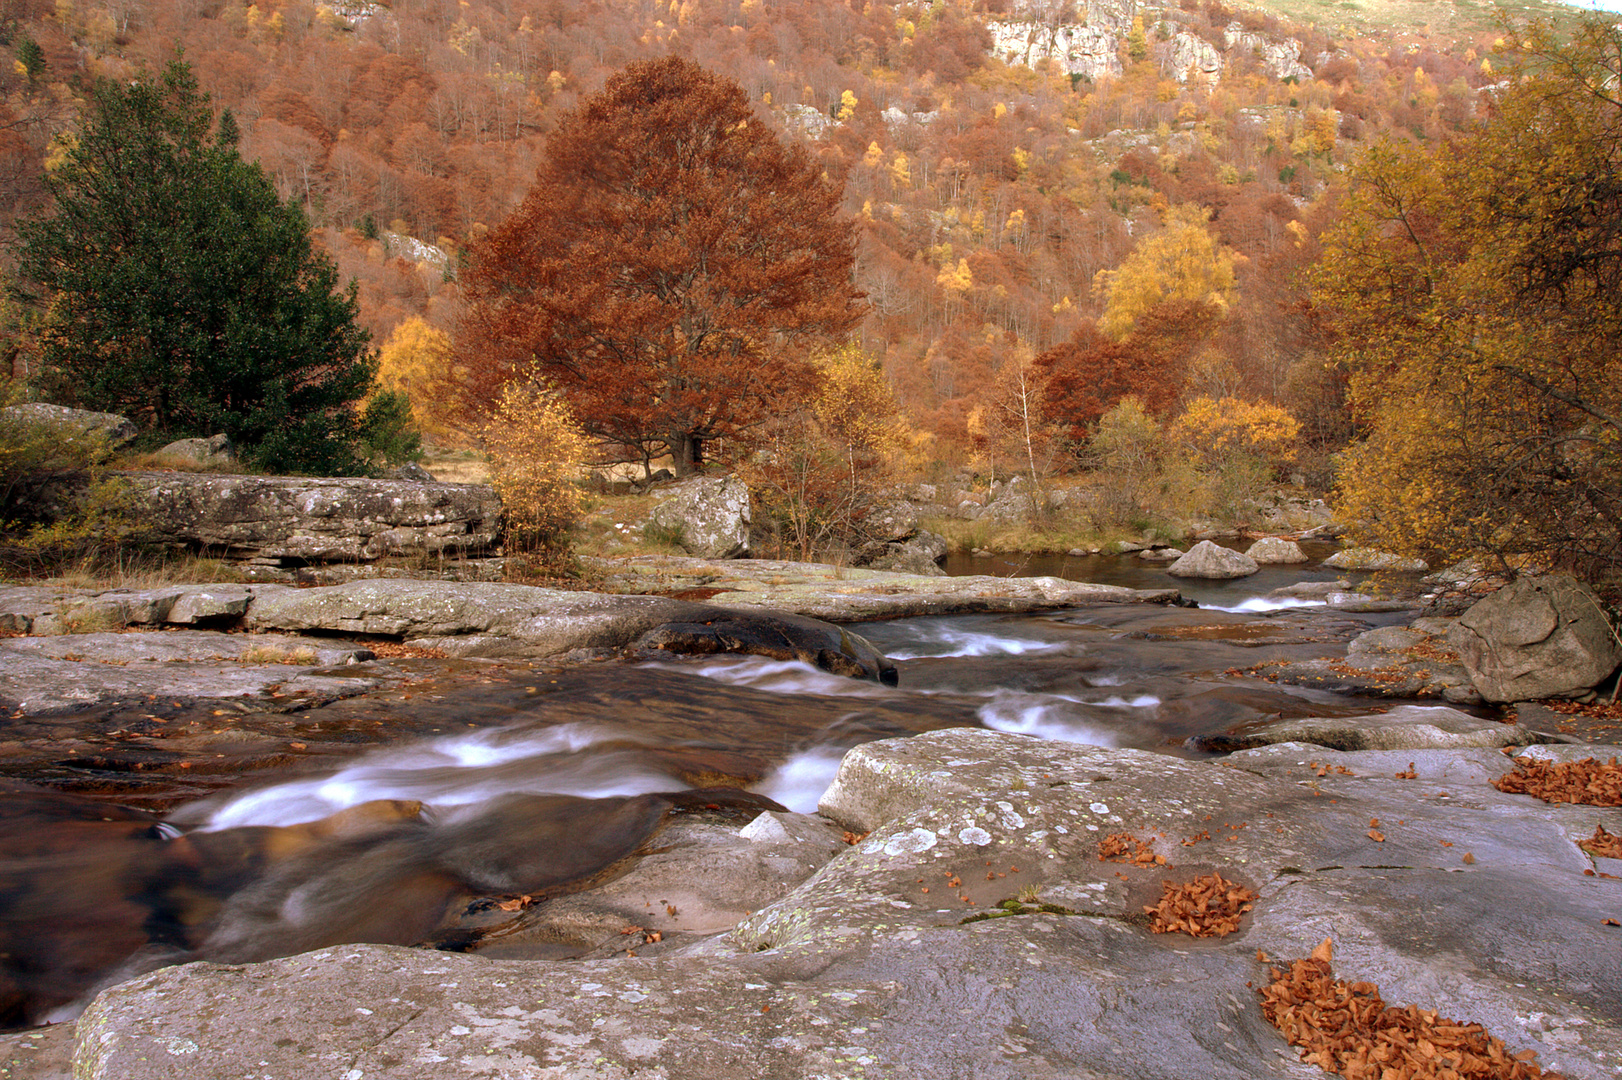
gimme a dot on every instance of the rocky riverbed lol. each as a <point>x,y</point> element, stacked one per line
<point>719,935</point>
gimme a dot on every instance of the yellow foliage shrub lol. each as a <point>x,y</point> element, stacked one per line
<point>416,361</point>
<point>1216,431</point>
<point>535,447</point>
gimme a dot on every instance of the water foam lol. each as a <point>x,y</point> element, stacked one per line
<point>1045,716</point>
<point>800,781</point>
<point>453,771</point>
<point>1258,604</point>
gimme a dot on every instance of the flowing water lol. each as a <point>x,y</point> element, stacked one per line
<point>540,777</point>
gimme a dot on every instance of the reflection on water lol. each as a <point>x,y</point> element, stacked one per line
<point>1136,573</point>
<point>544,781</point>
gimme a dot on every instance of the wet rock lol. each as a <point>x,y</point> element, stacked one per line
<point>304,519</point>
<point>1538,637</point>
<point>1388,661</point>
<point>488,619</point>
<point>1275,550</point>
<point>847,595</point>
<point>1356,558</point>
<point>48,674</point>
<point>1310,590</point>
<point>701,878</point>
<point>1208,560</point>
<point>709,516</point>
<point>1406,727</point>
<point>1474,904</point>
<point>43,1053</point>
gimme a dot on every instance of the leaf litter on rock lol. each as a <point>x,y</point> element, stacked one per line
<point>1208,906</point>
<point>1586,781</point>
<point>1347,1029</point>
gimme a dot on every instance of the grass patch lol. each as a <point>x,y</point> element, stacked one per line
<point>278,654</point>
<point>134,568</point>
<point>456,466</point>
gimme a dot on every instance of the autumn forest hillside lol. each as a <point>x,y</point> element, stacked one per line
<point>1004,157</point>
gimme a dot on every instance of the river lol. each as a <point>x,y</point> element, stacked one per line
<point>540,775</point>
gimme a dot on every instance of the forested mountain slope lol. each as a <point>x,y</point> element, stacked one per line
<point>1006,158</point>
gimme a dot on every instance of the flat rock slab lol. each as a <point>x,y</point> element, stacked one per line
<point>49,674</point>
<point>844,594</point>
<point>32,609</point>
<point>345,519</point>
<point>1463,899</point>
<point>500,620</point>
<point>1405,727</point>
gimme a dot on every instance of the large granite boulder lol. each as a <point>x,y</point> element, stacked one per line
<point>919,555</point>
<point>114,430</point>
<point>1275,550</point>
<point>976,929</point>
<point>1208,560</point>
<point>1538,637</point>
<point>1370,559</point>
<point>214,452</point>
<point>709,516</point>
<point>301,519</point>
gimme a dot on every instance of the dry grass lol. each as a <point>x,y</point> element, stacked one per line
<point>159,462</point>
<point>144,570</point>
<point>278,654</point>
<point>454,466</point>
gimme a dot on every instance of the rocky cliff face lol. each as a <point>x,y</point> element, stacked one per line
<point>300,519</point>
<point>1091,44</point>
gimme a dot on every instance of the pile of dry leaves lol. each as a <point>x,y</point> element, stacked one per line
<point>1209,906</point>
<point>1346,1029</point>
<point>1126,848</point>
<point>1605,845</point>
<point>1585,781</point>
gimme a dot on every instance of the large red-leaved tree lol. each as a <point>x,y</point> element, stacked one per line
<point>669,269</point>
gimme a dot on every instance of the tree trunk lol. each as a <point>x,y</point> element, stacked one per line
<point>687,454</point>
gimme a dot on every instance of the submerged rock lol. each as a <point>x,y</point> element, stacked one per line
<point>1406,727</point>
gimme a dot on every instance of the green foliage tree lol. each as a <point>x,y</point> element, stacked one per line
<point>177,289</point>
<point>1476,294</point>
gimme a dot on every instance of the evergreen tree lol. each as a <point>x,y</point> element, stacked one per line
<point>180,291</point>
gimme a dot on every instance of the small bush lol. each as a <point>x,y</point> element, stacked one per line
<point>388,434</point>
<point>1126,448</point>
<point>535,448</point>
